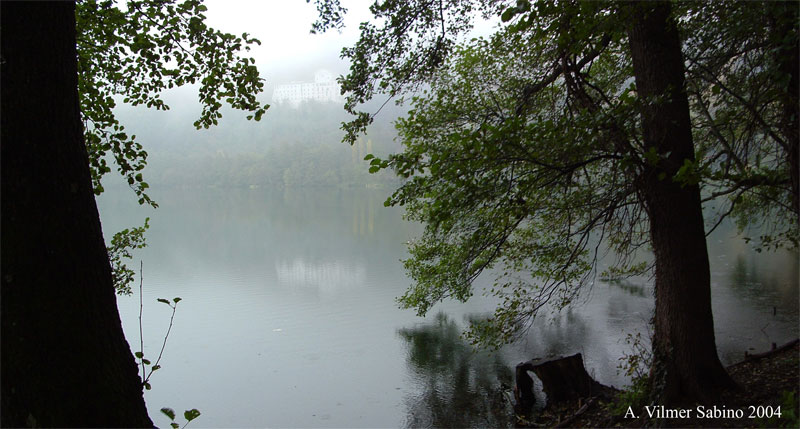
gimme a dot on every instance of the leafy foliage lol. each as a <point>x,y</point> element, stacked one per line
<point>189,415</point>
<point>331,15</point>
<point>136,52</point>
<point>510,172</point>
<point>787,418</point>
<point>408,42</point>
<point>635,365</point>
<point>523,154</point>
<point>119,251</point>
<point>742,74</point>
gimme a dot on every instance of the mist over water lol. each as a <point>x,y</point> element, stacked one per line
<point>289,317</point>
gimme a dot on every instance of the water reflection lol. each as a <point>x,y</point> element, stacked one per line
<point>455,386</point>
<point>747,282</point>
<point>629,287</point>
<point>754,294</point>
<point>280,287</point>
<point>329,277</point>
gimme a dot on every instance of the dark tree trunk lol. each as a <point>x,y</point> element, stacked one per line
<point>786,15</point>
<point>65,361</point>
<point>686,366</point>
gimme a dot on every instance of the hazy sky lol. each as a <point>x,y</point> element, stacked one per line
<point>288,51</point>
<point>283,28</point>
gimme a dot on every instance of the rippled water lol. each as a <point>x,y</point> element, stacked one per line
<point>289,318</point>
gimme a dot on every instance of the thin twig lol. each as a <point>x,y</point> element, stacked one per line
<point>164,344</point>
<point>141,306</point>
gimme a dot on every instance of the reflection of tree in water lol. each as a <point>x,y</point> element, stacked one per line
<point>457,387</point>
<point>629,287</point>
<point>762,288</point>
<point>744,278</point>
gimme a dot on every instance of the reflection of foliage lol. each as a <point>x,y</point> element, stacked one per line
<point>742,280</point>
<point>750,282</point>
<point>626,286</point>
<point>459,387</point>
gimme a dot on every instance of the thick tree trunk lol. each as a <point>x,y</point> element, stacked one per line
<point>65,361</point>
<point>686,366</point>
<point>789,64</point>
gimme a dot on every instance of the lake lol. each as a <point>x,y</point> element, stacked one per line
<point>288,315</point>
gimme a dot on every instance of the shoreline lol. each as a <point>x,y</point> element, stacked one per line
<point>767,381</point>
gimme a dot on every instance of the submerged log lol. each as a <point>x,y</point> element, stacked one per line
<point>775,350</point>
<point>563,379</point>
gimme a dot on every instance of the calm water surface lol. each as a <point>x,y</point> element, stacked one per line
<point>289,318</point>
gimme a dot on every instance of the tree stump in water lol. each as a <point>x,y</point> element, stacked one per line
<point>563,379</point>
<point>523,392</point>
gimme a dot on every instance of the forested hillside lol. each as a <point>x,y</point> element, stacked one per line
<point>288,147</point>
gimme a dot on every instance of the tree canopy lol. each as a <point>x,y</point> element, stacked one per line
<point>134,53</point>
<point>520,149</point>
<point>742,71</point>
<point>536,150</point>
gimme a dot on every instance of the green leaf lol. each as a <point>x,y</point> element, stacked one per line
<point>651,156</point>
<point>177,299</point>
<point>128,54</point>
<point>175,425</point>
<point>139,355</point>
<point>192,414</point>
<point>145,361</point>
<point>368,157</point>
<point>169,412</point>
<point>147,385</point>
<point>165,301</point>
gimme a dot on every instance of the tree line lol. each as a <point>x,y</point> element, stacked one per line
<point>290,147</point>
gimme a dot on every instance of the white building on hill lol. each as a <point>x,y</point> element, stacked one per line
<point>324,88</point>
